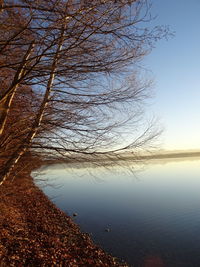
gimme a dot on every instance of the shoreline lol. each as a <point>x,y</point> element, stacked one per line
<point>34,232</point>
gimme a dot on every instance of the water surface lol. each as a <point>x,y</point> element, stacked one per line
<point>147,218</point>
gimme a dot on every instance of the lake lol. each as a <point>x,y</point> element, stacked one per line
<point>148,217</point>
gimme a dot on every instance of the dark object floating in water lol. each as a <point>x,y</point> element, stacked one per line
<point>107,230</point>
<point>75,214</point>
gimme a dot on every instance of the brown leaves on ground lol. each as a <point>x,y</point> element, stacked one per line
<point>33,232</point>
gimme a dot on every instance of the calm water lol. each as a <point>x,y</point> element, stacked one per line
<point>153,216</point>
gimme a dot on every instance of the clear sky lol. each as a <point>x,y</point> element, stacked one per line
<point>175,66</point>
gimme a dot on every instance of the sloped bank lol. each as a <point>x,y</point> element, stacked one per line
<point>34,232</point>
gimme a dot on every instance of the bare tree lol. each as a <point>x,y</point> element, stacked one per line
<point>82,57</point>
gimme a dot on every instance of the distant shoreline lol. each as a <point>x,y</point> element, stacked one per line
<point>114,158</point>
<point>168,155</point>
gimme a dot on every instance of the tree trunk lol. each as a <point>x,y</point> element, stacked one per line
<point>25,145</point>
<point>7,98</point>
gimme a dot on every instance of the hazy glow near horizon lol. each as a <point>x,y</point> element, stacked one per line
<point>175,65</point>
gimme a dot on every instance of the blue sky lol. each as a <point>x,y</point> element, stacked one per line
<point>175,66</point>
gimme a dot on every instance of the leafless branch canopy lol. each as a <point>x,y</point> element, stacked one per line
<point>69,75</point>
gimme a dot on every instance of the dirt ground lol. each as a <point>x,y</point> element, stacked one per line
<point>34,232</point>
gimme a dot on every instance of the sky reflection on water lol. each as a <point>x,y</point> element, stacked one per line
<point>153,213</point>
